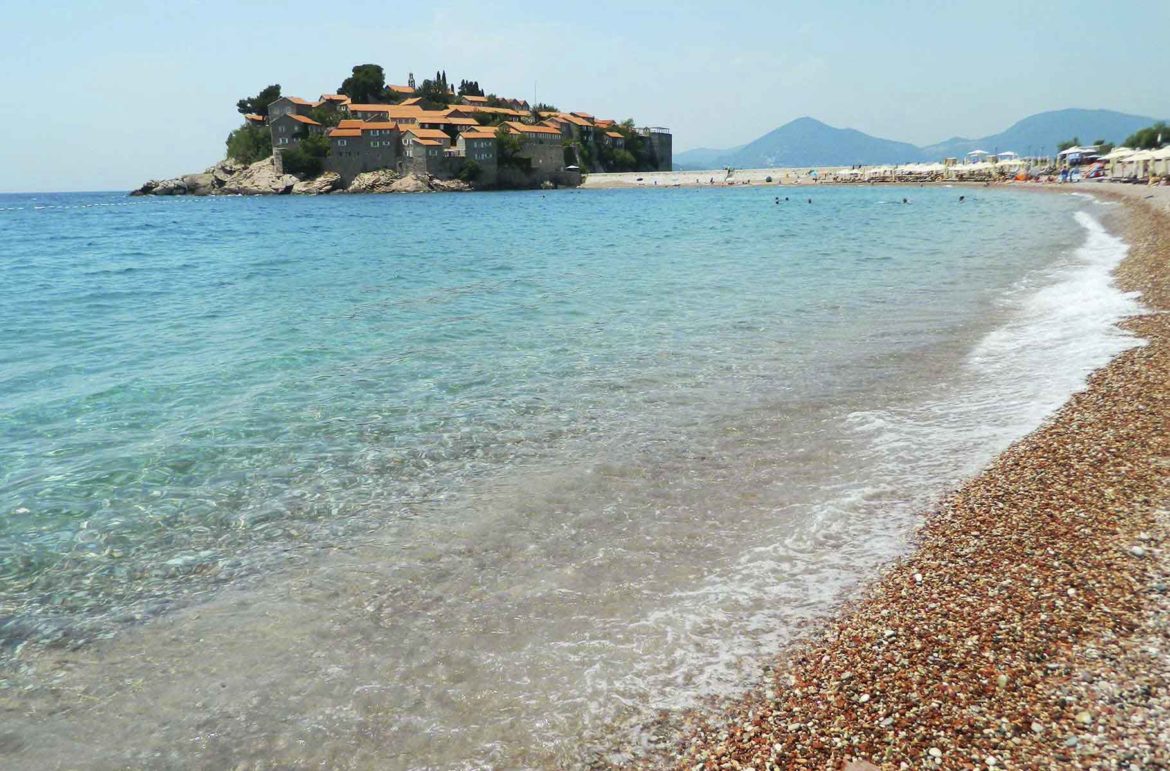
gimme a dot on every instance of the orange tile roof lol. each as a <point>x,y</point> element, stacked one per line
<point>478,134</point>
<point>382,108</point>
<point>401,89</point>
<point>350,123</point>
<point>254,117</point>
<point>604,122</point>
<point>524,128</point>
<point>576,120</point>
<point>584,115</point>
<point>428,142</point>
<point>345,132</point>
<point>303,119</point>
<point>298,100</point>
<point>410,102</point>
<point>615,135</point>
<point>476,99</point>
<point>423,133</point>
<point>334,98</point>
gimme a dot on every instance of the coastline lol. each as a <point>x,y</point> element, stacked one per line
<point>1028,627</point>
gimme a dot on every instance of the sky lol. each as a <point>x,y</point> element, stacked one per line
<point>105,95</point>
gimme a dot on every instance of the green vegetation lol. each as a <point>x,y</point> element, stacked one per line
<point>470,171</point>
<point>249,143</point>
<point>508,149</point>
<point>469,88</point>
<point>543,107</point>
<point>258,104</point>
<point>306,158</point>
<point>326,116</point>
<point>1149,138</point>
<point>1060,148</point>
<point>367,85</point>
<point>435,94</point>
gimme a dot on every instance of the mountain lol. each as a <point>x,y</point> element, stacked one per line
<point>1041,133</point>
<point>808,142</point>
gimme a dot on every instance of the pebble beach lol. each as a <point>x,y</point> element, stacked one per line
<point>1030,625</point>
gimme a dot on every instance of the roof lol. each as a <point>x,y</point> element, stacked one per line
<point>478,134</point>
<point>334,98</point>
<point>475,99</point>
<point>424,133</point>
<point>524,128</point>
<point>303,119</point>
<point>428,142</point>
<point>584,115</point>
<point>370,107</point>
<point>401,89</point>
<point>411,102</point>
<point>254,117</point>
<point>604,122</point>
<point>574,119</point>
<point>298,100</point>
<point>345,132</point>
<point>615,135</point>
<point>350,123</point>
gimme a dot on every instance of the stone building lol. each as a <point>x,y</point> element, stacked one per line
<point>357,146</point>
<point>479,145</point>
<point>289,105</point>
<point>543,145</point>
<point>659,140</point>
<point>424,151</point>
<point>289,128</point>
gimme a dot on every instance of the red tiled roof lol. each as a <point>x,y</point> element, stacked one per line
<point>345,132</point>
<point>254,117</point>
<point>428,142</point>
<point>303,119</point>
<point>476,99</point>
<point>410,102</point>
<point>524,128</point>
<point>401,89</point>
<point>479,134</point>
<point>298,100</point>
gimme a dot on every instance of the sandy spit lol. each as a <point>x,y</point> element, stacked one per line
<point>1030,626</point>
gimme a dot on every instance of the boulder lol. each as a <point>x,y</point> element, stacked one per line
<point>411,183</point>
<point>450,185</point>
<point>373,181</point>
<point>199,184</point>
<point>326,183</point>
<point>260,178</point>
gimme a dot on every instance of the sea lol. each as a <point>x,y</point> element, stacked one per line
<point>488,480</point>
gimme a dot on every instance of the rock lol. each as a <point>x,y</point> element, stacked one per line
<point>199,184</point>
<point>410,184</point>
<point>373,182</point>
<point>1084,718</point>
<point>859,765</point>
<point>450,185</point>
<point>1137,551</point>
<point>260,178</point>
<point>326,183</point>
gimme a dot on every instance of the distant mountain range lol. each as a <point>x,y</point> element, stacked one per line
<point>808,142</point>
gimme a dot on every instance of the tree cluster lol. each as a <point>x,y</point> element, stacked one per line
<point>249,143</point>
<point>258,104</point>
<point>306,158</point>
<point>469,88</point>
<point>1149,138</point>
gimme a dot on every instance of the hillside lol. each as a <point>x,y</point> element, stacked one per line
<point>808,142</point>
<point>1040,133</point>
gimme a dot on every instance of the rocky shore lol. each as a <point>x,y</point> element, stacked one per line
<point>230,177</point>
<point>1030,627</point>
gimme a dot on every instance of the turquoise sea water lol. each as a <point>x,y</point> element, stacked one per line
<point>532,461</point>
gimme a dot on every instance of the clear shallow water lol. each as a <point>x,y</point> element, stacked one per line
<point>482,479</point>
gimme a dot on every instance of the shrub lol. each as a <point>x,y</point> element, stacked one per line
<point>249,143</point>
<point>307,158</point>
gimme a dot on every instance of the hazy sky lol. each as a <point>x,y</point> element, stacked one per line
<point>104,95</point>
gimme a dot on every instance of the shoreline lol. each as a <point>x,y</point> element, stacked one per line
<point>1028,627</point>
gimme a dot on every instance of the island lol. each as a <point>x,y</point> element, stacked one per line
<point>375,137</point>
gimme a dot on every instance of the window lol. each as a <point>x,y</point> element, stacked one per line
<point>342,142</point>
<point>373,144</point>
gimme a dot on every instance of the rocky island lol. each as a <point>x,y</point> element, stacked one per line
<point>373,137</point>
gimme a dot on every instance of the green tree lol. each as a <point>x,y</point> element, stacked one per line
<point>540,107</point>
<point>1103,147</point>
<point>469,88</point>
<point>508,149</point>
<point>306,158</point>
<point>328,117</point>
<point>624,160</point>
<point>470,170</point>
<point>434,95</point>
<point>249,143</point>
<point>258,104</point>
<point>366,85</point>
<point>1066,144</point>
<point>1149,138</point>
